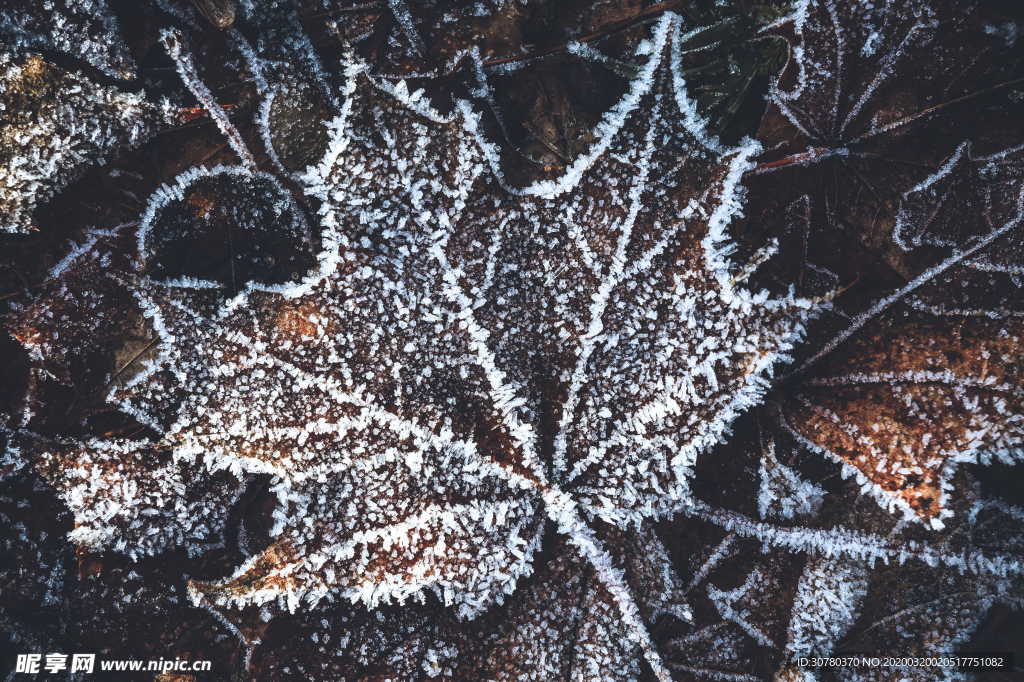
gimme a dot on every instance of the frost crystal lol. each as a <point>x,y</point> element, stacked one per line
<point>783,493</point>
<point>827,603</point>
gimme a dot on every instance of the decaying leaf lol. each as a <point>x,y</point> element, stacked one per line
<point>872,94</point>
<point>902,410</point>
<point>80,29</point>
<point>81,308</point>
<point>971,205</point>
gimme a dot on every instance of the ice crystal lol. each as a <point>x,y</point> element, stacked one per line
<point>783,493</point>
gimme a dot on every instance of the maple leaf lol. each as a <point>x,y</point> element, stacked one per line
<point>872,93</point>
<point>841,98</point>
<point>446,383</point>
<point>931,395</point>
<point>563,624</point>
<point>78,309</point>
<point>969,202</point>
<point>920,609</point>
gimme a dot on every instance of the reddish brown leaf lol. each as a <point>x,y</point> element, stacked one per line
<point>901,410</point>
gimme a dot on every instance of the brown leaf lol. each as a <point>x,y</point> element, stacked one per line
<point>54,125</point>
<point>901,410</point>
<point>873,93</point>
<point>112,478</point>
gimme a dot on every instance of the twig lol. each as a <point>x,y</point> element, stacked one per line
<point>808,157</point>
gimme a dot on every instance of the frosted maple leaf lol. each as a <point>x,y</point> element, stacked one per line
<point>844,605</point>
<point>970,198</point>
<point>873,93</point>
<point>901,405</point>
<point>462,387</point>
<point>467,364</point>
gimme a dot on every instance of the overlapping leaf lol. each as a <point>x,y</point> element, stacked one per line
<point>904,409</point>
<point>562,624</point>
<point>873,93</point>
<point>80,29</point>
<point>972,207</point>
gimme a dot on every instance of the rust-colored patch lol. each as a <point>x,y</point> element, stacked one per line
<point>903,407</point>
